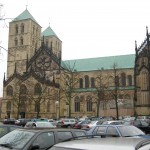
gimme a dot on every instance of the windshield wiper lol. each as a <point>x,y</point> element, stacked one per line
<point>6,145</point>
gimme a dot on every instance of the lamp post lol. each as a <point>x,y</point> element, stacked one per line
<point>57,109</point>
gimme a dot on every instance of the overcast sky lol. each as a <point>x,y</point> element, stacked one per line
<point>87,28</point>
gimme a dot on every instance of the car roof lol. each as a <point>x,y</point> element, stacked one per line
<point>104,143</point>
<point>49,129</point>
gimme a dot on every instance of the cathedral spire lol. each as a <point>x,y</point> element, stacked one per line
<point>136,47</point>
<point>147,39</point>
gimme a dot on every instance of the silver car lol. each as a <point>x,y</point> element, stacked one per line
<point>104,144</point>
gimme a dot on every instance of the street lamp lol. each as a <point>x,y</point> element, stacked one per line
<point>57,109</point>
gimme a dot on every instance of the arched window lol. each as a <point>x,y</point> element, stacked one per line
<point>89,104</point>
<point>81,82</point>
<point>37,89</point>
<point>123,79</point>
<point>16,42</point>
<point>48,106</point>
<point>9,91</point>
<point>86,81</point>
<point>92,82</point>
<point>23,90</point>
<point>21,40</point>
<point>117,81</point>
<point>22,28</point>
<point>129,80</point>
<point>77,104</point>
<point>8,106</point>
<point>16,28</point>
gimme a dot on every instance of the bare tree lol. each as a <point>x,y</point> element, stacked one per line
<point>70,80</point>
<point>101,87</point>
<point>114,92</point>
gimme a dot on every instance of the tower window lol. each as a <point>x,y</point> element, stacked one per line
<point>21,41</point>
<point>16,42</point>
<point>16,27</point>
<point>22,28</point>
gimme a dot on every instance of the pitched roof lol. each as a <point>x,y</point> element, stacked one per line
<point>48,32</point>
<point>25,15</point>
<point>105,63</point>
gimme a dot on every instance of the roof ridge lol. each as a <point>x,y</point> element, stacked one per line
<point>98,57</point>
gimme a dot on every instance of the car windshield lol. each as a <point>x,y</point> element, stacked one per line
<point>16,139</point>
<point>130,131</point>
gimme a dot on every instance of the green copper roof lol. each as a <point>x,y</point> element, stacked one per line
<point>48,32</point>
<point>105,63</point>
<point>25,15</point>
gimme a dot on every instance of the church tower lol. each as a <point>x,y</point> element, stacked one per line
<point>24,39</point>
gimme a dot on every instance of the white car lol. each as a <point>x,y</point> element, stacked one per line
<point>39,125</point>
<point>92,124</point>
<point>115,122</point>
<point>104,144</point>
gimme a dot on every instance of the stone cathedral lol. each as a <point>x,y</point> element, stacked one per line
<point>38,83</point>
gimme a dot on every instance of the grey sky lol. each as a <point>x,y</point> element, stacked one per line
<point>87,28</point>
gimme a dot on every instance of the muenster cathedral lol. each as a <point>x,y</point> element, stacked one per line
<point>38,83</point>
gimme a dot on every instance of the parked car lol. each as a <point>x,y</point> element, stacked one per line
<point>141,124</point>
<point>80,124</point>
<point>39,125</point>
<point>35,138</point>
<point>6,128</point>
<point>67,122</point>
<point>109,130</point>
<point>22,122</point>
<point>115,122</point>
<point>54,122</point>
<point>9,121</point>
<point>104,144</point>
<point>144,118</point>
<point>39,119</point>
<point>91,124</point>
